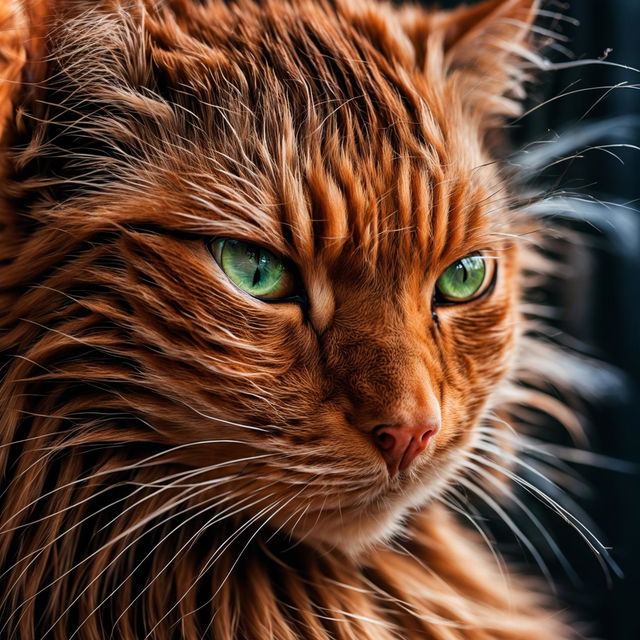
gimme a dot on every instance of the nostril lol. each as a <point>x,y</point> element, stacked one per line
<point>383,439</point>
<point>424,438</point>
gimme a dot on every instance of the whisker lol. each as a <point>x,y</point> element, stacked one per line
<point>131,544</point>
<point>228,541</point>
<point>600,551</point>
<point>489,542</point>
<point>130,467</point>
<point>485,497</point>
<point>569,570</point>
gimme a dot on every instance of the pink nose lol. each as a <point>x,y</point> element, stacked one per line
<point>400,444</point>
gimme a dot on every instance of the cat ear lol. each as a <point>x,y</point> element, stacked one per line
<point>26,28</point>
<point>489,42</point>
<point>14,42</point>
<point>61,63</point>
<point>23,61</point>
<point>484,22</point>
<point>483,46</point>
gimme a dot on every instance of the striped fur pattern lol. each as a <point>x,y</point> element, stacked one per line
<point>180,460</point>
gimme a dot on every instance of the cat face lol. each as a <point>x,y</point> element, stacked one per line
<point>311,381</point>
<point>348,158</point>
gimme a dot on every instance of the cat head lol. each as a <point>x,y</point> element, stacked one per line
<point>269,239</point>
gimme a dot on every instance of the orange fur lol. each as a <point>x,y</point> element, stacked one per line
<point>180,460</point>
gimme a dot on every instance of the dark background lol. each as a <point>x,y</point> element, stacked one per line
<point>600,304</point>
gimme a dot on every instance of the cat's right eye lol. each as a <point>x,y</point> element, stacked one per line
<point>465,280</point>
<point>254,269</point>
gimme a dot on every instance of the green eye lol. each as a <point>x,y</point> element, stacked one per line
<point>253,269</point>
<point>464,280</point>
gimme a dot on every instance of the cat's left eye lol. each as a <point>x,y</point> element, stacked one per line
<point>254,269</point>
<point>465,280</point>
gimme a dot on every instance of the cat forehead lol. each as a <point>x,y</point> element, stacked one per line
<point>309,127</point>
<point>329,134</point>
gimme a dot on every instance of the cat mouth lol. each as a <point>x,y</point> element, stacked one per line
<point>411,478</point>
<point>367,501</point>
<point>374,519</point>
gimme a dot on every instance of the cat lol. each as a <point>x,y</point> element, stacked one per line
<point>261,285</point>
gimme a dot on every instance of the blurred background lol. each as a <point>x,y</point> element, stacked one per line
<point>599,303</point>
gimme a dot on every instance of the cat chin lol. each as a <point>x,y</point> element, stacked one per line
<point>359,529</point>
<point>356,537</point>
